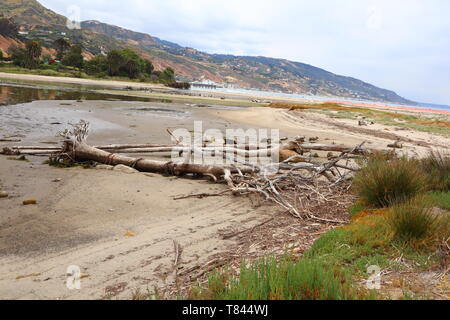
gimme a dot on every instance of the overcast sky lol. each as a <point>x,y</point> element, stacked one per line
<point>395,44</point>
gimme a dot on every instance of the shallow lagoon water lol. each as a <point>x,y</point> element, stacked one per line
<point>14,94</point>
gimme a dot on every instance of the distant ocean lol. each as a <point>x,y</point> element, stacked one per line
<point>322,98</point>
<point>434,106</point>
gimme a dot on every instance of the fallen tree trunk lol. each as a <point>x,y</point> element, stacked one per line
<point>82,152</point>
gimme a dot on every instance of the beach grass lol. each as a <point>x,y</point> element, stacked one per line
<point>269,279</point>
<point>336,267</point>
<point>435,124</point>
<point>404,233</point>
<point>437,168</point>
<point>382,183</point>
<point>440,199</point>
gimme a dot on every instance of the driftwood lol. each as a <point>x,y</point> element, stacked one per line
<point>239,150</point>
<point>302,188</point>
<point>80,151</point>
<point>303,147</point>
<point>140,148</point>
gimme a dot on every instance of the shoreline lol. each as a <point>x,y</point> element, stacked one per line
<point>160,89</point>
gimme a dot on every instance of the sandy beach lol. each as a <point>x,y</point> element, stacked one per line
<point>120,228</point>
<point>77,81</point>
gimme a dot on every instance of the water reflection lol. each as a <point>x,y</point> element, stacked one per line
<point>10,95</point>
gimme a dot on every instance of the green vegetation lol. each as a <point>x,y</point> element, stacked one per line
<point>127,63</point>
<point>124,63</point>
<point>409,235</point>
<point>42,71</point>
<point>440,199</point>
<point>437,168</point>
<point>412,221</point>
<point>306,279</point>
<point>74,58</point>
<point>382,183</point>
<point>62,45</point>
<point>378,237</point>
<point>434,125</point>
<point>166,76</point>
<point>28,57</point>
<point>97,66</point>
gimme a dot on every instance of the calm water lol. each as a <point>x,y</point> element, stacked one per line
<point>14,94</point>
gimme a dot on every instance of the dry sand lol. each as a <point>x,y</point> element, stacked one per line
<point>77,81</point>
<point>119,228</point>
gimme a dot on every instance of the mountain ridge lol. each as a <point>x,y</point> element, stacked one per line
<point>256,72</point>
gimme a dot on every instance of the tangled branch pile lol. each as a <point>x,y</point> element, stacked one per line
<point>297,184</point>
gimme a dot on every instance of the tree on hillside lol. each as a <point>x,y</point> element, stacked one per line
<point>133,64</point>
<point>167,75</point>
<point>28,57</point>
<point>115,61</point>
<point>34,49</point>
<point>1,55</point>
<point>74,58</point>
<point>62,45</point>
<point>124,62</point>
<point>131,68</point>
<point>97,65</point>
<point>148,67</point>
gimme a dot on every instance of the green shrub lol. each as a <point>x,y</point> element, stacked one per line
<point>286,280</point>
<point>101,75</point>
<point>382,183</point>
<point>97,65</point>
<point>28,57</point>
<point>412,220</point>
<point>437,168</point>
<point>81,75</point>
<point>74,58</point>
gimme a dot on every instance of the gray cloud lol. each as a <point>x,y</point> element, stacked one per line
<point>399,45</point>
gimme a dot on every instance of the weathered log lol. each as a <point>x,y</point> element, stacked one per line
<point>396,145</point>
<point>16,152</point>
<point>33,152</point>
<point>105,147</point>
<point>82,151</point>
<point>302,147</point>
<point>10,140</point>
<point>34,148</point>
<point>130,148</point>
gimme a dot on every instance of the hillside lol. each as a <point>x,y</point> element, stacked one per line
<point>244,71</point>
<point>30,13</point>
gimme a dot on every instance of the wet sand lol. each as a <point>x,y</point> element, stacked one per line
<point>83,218</point>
